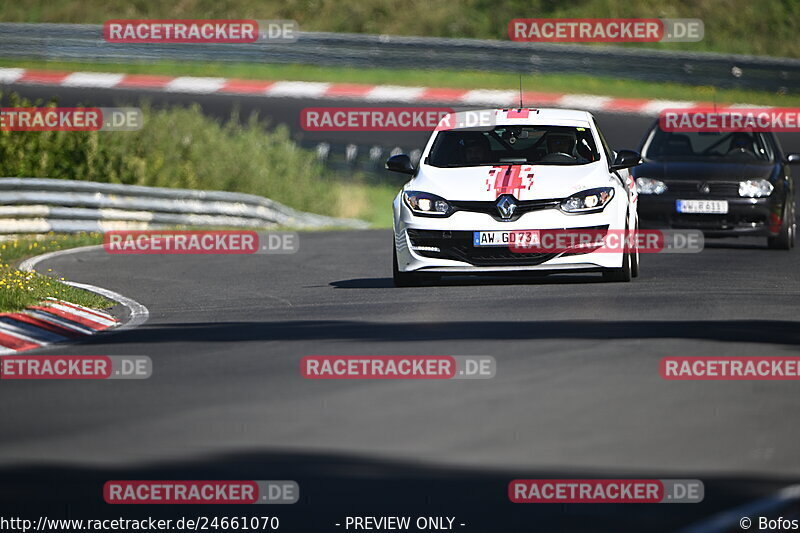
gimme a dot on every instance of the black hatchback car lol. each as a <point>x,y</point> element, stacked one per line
<point>725,184</point>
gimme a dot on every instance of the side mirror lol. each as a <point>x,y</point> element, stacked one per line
<point>400,163</point>
<point>793,158</point>
<point>626,159</point>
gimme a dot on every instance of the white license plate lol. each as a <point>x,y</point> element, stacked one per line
<point>506,238</point>
<point>713,207</point>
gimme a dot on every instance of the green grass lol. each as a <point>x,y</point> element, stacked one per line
<point>559,83</point>
<point>19,289</point>
<point>762,27</point>
<point>370,202</point>
<point>15,249</point>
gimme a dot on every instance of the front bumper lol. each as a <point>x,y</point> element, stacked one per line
<point>446,244</point>
<point>745,216</point>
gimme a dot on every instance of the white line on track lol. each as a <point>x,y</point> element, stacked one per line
<point>10,75</point>
<point>584,101</point>
<point>298,89</point>
<point>58,321</point>
<point>393,93</point>
<point>139,313</point>
<point>654,107</point>
<point>92,79</point>
<point>489,97</point>
<point>99,320</point>
<point>188,84</point>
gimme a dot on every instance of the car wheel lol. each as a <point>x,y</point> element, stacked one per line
<point>635,256</point>
<point>785,239</point>
<point>402,279</point>
<point>620,274</point>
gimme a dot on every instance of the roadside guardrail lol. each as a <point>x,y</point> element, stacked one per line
<point>41,205</point>
<point>84,42</point>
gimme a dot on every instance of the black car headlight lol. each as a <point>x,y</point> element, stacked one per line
<point>755,188</point>
<point>589,201</point>
<point>426,204</point>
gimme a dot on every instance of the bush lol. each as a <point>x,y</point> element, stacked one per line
<point>179,148</point>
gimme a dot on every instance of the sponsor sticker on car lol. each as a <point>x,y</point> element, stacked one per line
<point>713,207</point>
<point>505,238</point>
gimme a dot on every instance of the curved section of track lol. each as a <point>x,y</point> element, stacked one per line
<point>577,391</point>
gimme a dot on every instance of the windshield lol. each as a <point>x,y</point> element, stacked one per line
<point>541,145</point>
<point>735,146</point>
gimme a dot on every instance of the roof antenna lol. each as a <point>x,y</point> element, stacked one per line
<point>520,90</point>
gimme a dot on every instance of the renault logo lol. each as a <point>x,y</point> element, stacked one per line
<point>704,188</point>
<point>506,206</point>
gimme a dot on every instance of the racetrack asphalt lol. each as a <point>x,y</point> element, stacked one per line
<point>577,391</point>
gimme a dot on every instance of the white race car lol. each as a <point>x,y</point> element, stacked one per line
<point>481,195</point>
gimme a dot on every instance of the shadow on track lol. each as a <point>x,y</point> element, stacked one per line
<point>333,487</point>
<point>451,280</point>
<point>783,332</point>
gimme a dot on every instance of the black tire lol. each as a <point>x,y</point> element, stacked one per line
<point>785,239</point>
<point>635,257</point>
<point>622,274</point>
<point>403,279</point>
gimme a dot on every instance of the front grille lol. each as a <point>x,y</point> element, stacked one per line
<point>700,221</point>
<point>490,208</point>
<point>716,222</point>
<point>693,188</point>
<point>458,246</point>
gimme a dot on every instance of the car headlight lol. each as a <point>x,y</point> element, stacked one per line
<point>589,201</point>
<point>426,204</point>
<point>755,188</point>
<point>650,186</point>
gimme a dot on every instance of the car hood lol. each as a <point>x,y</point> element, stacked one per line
<point>703,170</point>
<point>525,182</point>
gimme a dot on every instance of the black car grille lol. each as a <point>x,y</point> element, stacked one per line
<point>695,188</point>
<point>458,246</point>
<point>717,222</point>
<point>490,208</point>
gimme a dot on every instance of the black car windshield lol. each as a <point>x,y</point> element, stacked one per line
<point>736,146</point>
<point>510,145</point>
